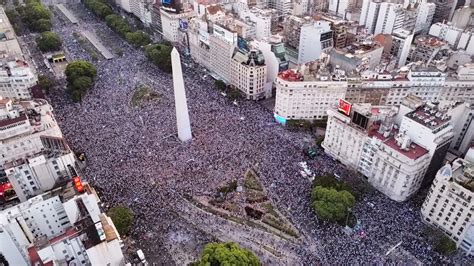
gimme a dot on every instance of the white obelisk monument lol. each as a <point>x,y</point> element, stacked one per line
<point>182,115</point>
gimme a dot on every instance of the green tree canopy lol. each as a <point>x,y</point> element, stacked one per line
<point>42,25</point>
<point>160,55</point>
<point>48,41</point>
<point>122,217</point>
<point>330,204</point>
<point>230,253</point>
<point>34,15</point>
<point>118,24</point>
<point>80,76</point>
<point>137,38</point>
<point>80,68</point>
<point>45,82</point>
<point>445,245</point>
<point>99,8</point>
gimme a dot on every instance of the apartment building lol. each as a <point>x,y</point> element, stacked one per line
<point>16,79</point>
<point>170,23</point>
<point>26,127</point>
<point>387,152</point>
<point>371,87</point>
<point>63,226</point>
<point>249,73</point>
<point>449,204</point>
<point>222,43</point>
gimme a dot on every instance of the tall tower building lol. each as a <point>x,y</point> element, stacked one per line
<point>182,114</point>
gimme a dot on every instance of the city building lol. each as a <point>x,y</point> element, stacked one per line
<point>262,19</point>
<point>283,7</point>
<point>306,39</point>
<point>26,128</point>
<point>199,43</point>
<point>401,44</point>
<point>424,16</point>
<point>274,54</point>
<point>369,14</point>
<point>9,46</point>
<point>249,73</point>
<point>357,56</point>
<point>340,7</point>
<point>390,17</point>
<point>339,30</point>
<point>16,79</point>
<point>40,173</point>
<point>366,138</point>
<point>462,17</point>
<point>463,126</point>
<point>222,43</point>
<point>444,10</point>
<point>303,95</point>
<point>426,48</point>
<point>377,88</point>
<point>170,21</point>
<point>449,205</point>
<point>63,226</point>
<point>142,9</point>
<point>457,38</point>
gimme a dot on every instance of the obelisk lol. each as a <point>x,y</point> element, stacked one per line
<point>182,115</point>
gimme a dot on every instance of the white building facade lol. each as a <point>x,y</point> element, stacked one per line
<point>449,204</point>
<point>16,78</point>
<point>249,73</point>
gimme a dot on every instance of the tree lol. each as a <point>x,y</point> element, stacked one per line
<point>330,204</point>
<point>80,77</point>
<point>42,25</point>
<point>118,24</point>
<point>33,12</point>
<point>80,68</point>
<point>445,245</point>
<point>48,41</point>
<point>160,55</point>
<point>45,82</point>
<point>122,218</point>
<point>137,38</point>
<point>220,85</point>
<point>229,253</point>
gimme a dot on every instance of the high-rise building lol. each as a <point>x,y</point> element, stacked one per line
<point>424,16</point>
<point>306,39</point>
<point>449,204</point>
<point>340,7</point>
<point>443,10</point>
<point>369,14</point>
<point>401,44</point>
<point>463,125</point>
<point>170,23</point>
<point>390,17</point>
<point>222,43</point>
<point>248,73</point>
<point>339,30</point>
<point>426,48</point>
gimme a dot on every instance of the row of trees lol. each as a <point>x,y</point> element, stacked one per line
<point>35,15</point>
<point>117,23</point>
<point>331,199</point>
<point>80,77</point>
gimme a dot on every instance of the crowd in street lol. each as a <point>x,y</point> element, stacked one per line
<point>134,158</point>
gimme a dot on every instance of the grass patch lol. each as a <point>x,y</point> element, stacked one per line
<point>143,94</point>
<point>255,196</point>
<point>251,181</point>
<point>268,207</point>
<point>278,224</point>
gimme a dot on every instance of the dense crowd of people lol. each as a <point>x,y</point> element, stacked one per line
<point>134,158</point>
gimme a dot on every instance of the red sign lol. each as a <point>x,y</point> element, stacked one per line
<point>344,107</point>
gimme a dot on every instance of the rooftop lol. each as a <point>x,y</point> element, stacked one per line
<point>430,41</point>
<point>412,151</point>
<point>429,116</point>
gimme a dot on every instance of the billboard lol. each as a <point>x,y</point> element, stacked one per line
<point>204,36</point>
<point>171,5</point>
<point>344,107</point>
<point>242,44</point>
<point>229,36</point>
<point>183,24</point>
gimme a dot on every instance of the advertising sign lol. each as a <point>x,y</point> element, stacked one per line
<point>183,24</point>
<point>204,36</point>
<point>171,5</point>
<point>344,107</point>
<point>279,119</point>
